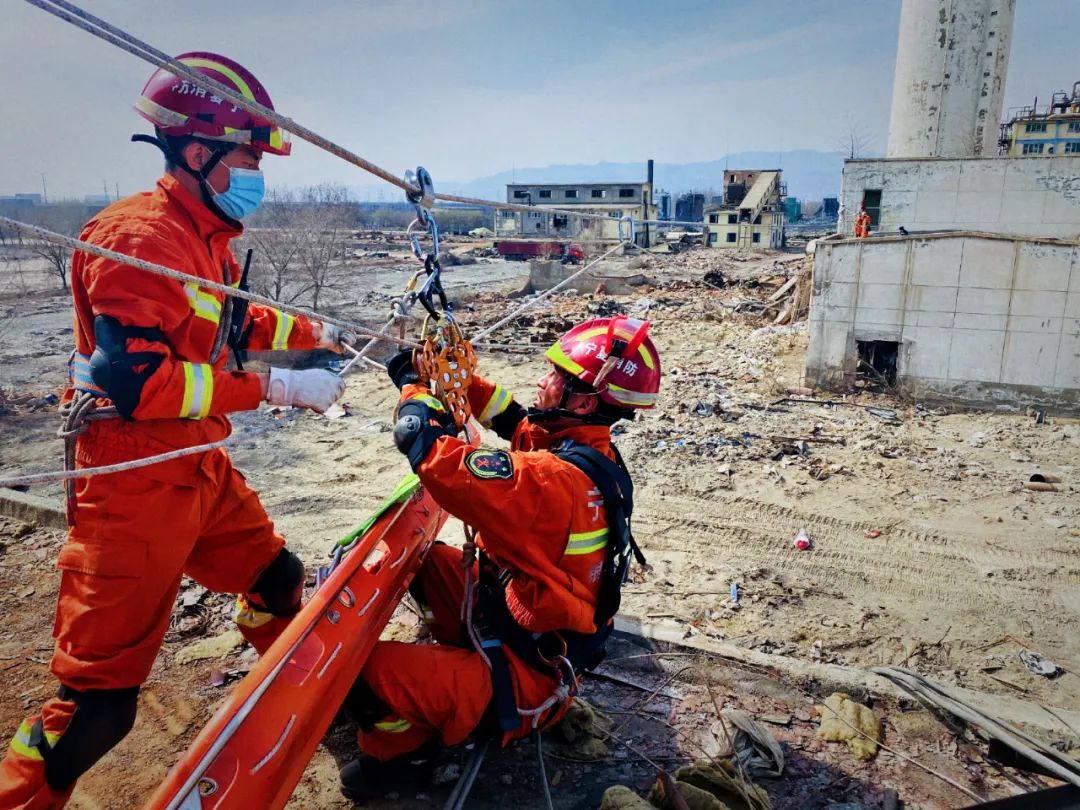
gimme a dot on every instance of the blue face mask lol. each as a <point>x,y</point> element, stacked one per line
<point>244,194</point>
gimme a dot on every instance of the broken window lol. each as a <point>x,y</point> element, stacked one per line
<point>597,193</point>
<point>1074,126</point>
<point>732,219</point>
<point>571,194</point>
<point>871,201</point>
<point>558,221</point>
<point>713,237</point>
<point>757,238</point>
<point>545,193</point>
<point>877,363</point>
<point>731,236</point>
<point>714,219</point>
<point>1072,147</point>
<point>626,192</point>
<point>1033,148</point>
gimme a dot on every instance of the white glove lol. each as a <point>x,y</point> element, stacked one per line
<point>313,388</point>
<point>331,337</point>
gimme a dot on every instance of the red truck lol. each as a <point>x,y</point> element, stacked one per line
<point>524,249</point>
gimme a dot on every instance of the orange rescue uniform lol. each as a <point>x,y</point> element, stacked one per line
<point>135,533</point>
<point>539,518</point>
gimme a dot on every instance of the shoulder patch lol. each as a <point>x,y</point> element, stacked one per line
<point>490,464</point>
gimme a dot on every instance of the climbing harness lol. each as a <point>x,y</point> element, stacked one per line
<point>560,654</point>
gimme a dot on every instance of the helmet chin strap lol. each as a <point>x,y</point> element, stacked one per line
<point>200,175</point>
<point>562,412</point>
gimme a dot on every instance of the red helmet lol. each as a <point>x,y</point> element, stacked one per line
<point>177,107</point>
<point>613,355</point>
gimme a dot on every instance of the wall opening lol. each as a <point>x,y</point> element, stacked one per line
<point>877,363</point>
<point>871,201</point>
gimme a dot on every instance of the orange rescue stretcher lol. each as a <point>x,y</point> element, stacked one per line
<point>254,750</point>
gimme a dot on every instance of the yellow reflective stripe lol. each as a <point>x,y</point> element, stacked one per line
<point>499,402</point>
<point>234,77</point>
<point>198,390</point>
<point>557,356</point>
<point>202,303</point>
<point>428,400</point>
<point>283,325</point>
<point>587,542</point>
<point>20,743</point>
<point>394,726</point>
<point>245,615</point>
<point>626,397</point>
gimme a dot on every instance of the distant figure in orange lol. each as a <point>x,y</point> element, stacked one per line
<point>862,223</point>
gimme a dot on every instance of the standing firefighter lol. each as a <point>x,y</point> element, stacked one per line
<point>552,523</point>
<point>862,222</point>
<point>154,348</point>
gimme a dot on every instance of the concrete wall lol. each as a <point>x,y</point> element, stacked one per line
<point>1031,196</point>
<point>982,319</point>
<point>951,61</point>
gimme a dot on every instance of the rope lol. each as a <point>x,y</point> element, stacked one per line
<point>543,772</point>
<point>544,295</point>
<point>71,13</point>
<point>224,289</point>
<point>134,464</point>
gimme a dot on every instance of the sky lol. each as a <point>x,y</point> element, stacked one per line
<point>468,89</point>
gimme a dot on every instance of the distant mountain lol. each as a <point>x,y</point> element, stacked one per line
<point>808,174</point>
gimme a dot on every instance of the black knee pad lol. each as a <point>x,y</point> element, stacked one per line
<point>102,718</point>
<point>280,586</point>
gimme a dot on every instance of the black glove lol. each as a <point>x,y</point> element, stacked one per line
<point>400,368</point>
<point>418,426</point>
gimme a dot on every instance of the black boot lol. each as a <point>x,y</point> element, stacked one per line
<point>368,778</point>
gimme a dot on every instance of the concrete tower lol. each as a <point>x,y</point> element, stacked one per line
<point>951,61</point>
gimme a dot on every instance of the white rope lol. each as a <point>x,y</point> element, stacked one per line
<point>544,295</point>
<point>134,464</point>
<point>71,13</point>
<point>224,289</point>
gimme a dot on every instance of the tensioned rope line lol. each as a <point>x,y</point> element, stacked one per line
<point>543,296</point>
<point>225,289</point>
<point>97,27</point>
<point>134,464</point>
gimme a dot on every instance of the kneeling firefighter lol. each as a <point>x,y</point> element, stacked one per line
<point>151,353</point>
<point>552,526</point>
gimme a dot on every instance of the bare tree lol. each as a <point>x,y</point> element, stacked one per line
<point>277,243</point>
<point>297,237</point>
<point>63,218</point>
<point>328,217</point>
<point>854,140</point>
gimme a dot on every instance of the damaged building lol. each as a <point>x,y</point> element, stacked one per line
<point>609,202</point>
<point>750,213</point>
<point>968,287</point>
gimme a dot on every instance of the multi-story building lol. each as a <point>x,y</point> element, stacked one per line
<point>750,214</point>
<point>1053,130</point>
<point>607,203</point>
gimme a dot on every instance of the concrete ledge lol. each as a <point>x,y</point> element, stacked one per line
<point>856,681</point>
<point>32,509</point>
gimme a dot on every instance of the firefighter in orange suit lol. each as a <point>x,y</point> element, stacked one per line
<point>552,522</point>
<point>862,223</point>
<point>156,349</point>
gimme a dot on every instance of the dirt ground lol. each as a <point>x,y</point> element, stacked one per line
<point>926,547</point>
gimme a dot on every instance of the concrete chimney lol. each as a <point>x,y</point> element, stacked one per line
<point>951,61</point>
